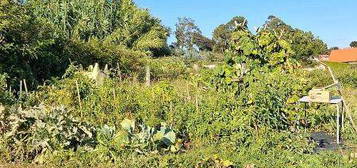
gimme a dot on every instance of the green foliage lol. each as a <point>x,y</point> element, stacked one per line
<point>185,32</point>
<point>299,45</point>
<point>353,44</point>
<point>265,97</point>
<point>242,113</point>
<point>250,122</point>
<point>263,48</point>
<point>6,97</point>
<point>203,43</point>
<point>144,139</point>
<point>223,33</point>
<point>28,48</point>
<point>115,22</point>
<point>30,133</point>
<point>345,73</point>
<point>304,44</point>
<point>39,39</point>
<point>95,51</point>
<point>167,68</point>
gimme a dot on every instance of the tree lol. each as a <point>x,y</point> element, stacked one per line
<point>203,43</point>
<point>28,48</point>
<point>222,34</point>
<point>116,22</point>
<point>331,49</point>
<point>274,23</point>
<point>38,38</point>
<point>186,30</point>
<point>304,44</point>
<point>353,44</point>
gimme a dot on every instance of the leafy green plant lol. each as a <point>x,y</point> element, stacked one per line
<point>214,162</point>
<point>30,133</point>
<point>6,97</point>
<point>148,139</point>
<point>167,68</point>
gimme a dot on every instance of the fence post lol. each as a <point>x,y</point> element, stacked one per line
<point>20,89</point>
<point>147,76</point>
<point>25,85</point>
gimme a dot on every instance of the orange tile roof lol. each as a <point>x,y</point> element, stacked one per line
<point>344,55</point>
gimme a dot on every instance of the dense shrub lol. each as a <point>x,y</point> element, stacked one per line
<point>39,39</point>
<point>256,118</point>
<point>345,73</point>
<point>30,133</point>
<point>243,113</point>
<point>167,68</point>
<point>6,96</point>
<point>95,51</point>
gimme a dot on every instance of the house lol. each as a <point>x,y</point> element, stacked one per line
<point>348,55</point>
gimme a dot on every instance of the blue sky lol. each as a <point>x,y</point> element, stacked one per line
<point>334,21</point>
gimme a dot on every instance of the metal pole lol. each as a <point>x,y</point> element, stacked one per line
<point>342,117</point>
<point>305,118</point>
<point>338,124</point>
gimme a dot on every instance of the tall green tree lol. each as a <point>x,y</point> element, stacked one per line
<point>222,34</point>
<point>186,30</point>
<point>28,49</point>
<point>263,48</point>
<point>353,44</point>
<point>202,42</point>
<point>304,44</point>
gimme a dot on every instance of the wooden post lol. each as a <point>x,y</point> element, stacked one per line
<point>114,95</point>
<point>147,76</point>
<point>25,85</point>
<point>20,89</point>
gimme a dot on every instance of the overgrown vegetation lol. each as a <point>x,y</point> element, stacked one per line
<point>240,112</point>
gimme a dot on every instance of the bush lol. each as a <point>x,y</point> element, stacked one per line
<point>345,73</point>
<point>256,118</point>
<point>167,68</point>
<point>6,97</point>
<point>30,133</point>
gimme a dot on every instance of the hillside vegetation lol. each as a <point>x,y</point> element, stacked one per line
<point>56,111</point>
